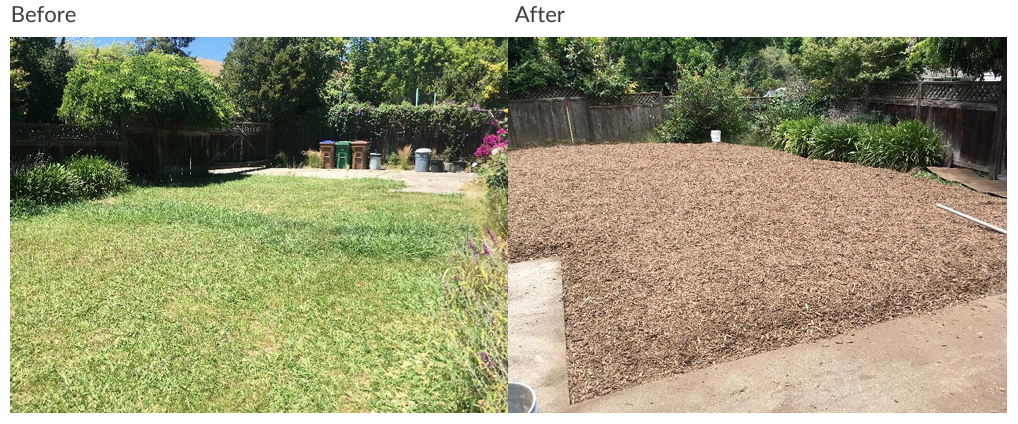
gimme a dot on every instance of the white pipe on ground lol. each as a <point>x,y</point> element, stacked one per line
<point>976,220</point>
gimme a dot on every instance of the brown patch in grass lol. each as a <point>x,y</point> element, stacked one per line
<point>678,257</point>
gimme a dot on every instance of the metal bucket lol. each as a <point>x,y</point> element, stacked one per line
<point>522,399</point>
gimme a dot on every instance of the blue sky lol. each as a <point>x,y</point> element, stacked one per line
<point>214,48</point>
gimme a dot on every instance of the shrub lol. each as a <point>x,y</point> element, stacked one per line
<point>99,177</point>
<point>474,312</point>
<point>905,146</point>
<point>834,141</point>
<point>872,117</point>
<point>449,125</point>
<point>711,100</point>
<point>793,136</point>
<point>392,162</point>
<point>40,183</point>
<point>495,174</point>
<point>779,110</point>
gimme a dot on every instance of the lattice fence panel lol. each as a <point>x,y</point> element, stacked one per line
<point>636,99</point>
<point>28,131</point>
<point>981,92</point>
<point>894,91</point>
<point>547,92</point>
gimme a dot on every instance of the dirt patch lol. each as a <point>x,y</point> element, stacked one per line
<point>677,257</point>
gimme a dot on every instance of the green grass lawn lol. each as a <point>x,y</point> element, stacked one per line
<point>237,294</point>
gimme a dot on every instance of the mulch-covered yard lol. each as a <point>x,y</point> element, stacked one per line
<point>676,257</point>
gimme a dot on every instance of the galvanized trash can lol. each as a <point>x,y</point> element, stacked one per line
<point>522,399</point>
<point>376,162</point>
<point>422,158</point>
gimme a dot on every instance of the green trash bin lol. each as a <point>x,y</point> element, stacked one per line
<point>342,154</point>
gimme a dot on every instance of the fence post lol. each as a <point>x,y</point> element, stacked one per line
<point>919,102</point>
<point>123,139</point>
<point>996,151</point>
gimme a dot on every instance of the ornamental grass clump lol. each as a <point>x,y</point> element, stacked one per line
<point>37,183</point>
<point>99,177</point>
<point>834,141</point>
<point>474,312</point>
<point>312,158</point>
<point>793,136</point>
<point>907,145</point>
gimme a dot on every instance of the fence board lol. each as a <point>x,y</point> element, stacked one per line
<point>966,113</point>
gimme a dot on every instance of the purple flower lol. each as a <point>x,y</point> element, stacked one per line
<point>485,248</point>
<point>488,363</point>
<point>472,247</point>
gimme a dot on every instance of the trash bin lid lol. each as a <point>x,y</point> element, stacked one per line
<point>375,154</point>
<point>361,143</point>
<point>422,150</point>
<point>343,143</point>
<point>327,142</point>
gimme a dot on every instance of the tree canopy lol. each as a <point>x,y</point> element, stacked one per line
<point>41,70</point>
<point>168,45</point>
<point>274,78</point>
<point>101,90</point>
<point>972,55</point>
<point>464,70</point>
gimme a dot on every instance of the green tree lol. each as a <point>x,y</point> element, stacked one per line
<point>44,62</point>
<point>842,66</point>
<point>390,70</point>
<point>475,72</point>
<point>19,84</point>
<point>530,66</point>
<point>276,78</point>
<point>101,90</point>
<point>765,69</point>
<point>168,45</point>
<point>973,56</point>
<point>654,63</point>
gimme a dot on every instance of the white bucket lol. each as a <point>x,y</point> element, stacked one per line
<point>715,136</point>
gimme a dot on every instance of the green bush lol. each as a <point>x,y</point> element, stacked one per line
<point>780,109</point>
<point>39,183</point>
<point>902,147</point>
<point>474,314</point>
<point>834,141</point>
<point>872,117</point>
<point>99,177</point>
<point>449,125</point>
<point>495,174</point>
<point>711,100</point>
<point>793,136</point>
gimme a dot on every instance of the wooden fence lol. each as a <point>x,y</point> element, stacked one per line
<point>554,116</point>
<point>971,115</point>
<point>149,145</point>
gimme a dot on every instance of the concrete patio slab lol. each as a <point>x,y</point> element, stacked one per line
<point>537,335</point>
<point>420,182</point>
<point>953,360</point>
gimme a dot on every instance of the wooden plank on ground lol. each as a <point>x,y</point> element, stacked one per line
<point>971,179</point>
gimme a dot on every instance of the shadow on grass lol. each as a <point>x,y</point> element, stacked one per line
<point>187,181</point>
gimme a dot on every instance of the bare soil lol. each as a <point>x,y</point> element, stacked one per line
<point>676,257</point>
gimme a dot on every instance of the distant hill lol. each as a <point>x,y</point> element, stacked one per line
<point>213,67</point>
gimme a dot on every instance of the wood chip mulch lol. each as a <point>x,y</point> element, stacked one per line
<point>677,257</point>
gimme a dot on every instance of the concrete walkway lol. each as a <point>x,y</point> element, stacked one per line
<point>421,182</point>
<point>954,360</point>
<point>537,332</point>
